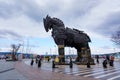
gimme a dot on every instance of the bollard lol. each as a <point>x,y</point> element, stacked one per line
<point>111,63</point>
<point>53,64</point>
<point>39,63</point>
<point>88,64</point>
<point>105,64</point>
<point>32,61</point>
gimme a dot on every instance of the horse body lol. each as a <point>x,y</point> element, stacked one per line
<point>68,37</point>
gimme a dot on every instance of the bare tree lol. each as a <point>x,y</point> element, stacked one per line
<point>116,38</point>
<point>15,48</point>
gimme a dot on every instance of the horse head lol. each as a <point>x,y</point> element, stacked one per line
<point>49,23</point>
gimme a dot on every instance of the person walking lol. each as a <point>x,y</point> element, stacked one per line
<point>32,61</point>
<point>108,58</point>
<point>71,63</point>
<point>53,64</point>
<point>97,59</point>
<point>88,64</point>
<point>111,60</point>
<point>39,63</point>
<point>36,60</point>
<point>105,63</point>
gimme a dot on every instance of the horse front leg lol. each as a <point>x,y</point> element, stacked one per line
<point>61,51</point>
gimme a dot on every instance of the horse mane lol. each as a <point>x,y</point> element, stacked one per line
<point>58,21</point>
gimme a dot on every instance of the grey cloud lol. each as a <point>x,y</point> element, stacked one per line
<point>113,19</point>
<point>12,34</point>
<point>31,9</point>
<point>110,24</point>
<point>78,9</point>
<point>22,7</point>
<point>82,7</point>
<point>7,10</point>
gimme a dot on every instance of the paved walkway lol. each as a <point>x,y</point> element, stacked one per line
<point>34,73</point>
<point>21,70</point>
<point>8,71</point>
<point>96,71</point>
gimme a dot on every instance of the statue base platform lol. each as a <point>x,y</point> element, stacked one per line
<point>11,60</point>
<point>62,63</point>
<point>84,63</point>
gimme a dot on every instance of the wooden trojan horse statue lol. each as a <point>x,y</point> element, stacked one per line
<point>64,36</point>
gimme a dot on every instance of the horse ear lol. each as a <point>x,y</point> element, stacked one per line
<point>47,16</point>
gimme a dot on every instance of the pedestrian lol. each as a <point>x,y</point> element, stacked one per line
<point>111,60</point>
<point>53,64</point>
<point>39,63</point>
<point>88,64</point>
<point>108,58</point>
<point>105,63</point>
<point>97,59</point>
<point>48,58</point>
<point>36,60</point>
<point>32,61</point>
<point>71,63</point>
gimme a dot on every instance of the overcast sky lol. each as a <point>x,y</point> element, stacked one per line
<point>21,21</point>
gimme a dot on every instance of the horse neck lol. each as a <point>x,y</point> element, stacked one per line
<point>57,22</point>
<point>57,26</point>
